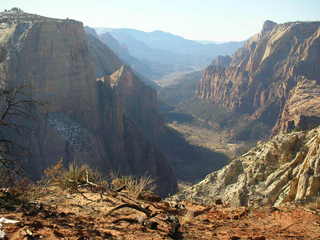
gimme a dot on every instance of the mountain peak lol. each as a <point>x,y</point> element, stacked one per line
<point>268,26</point>
<point>17,15</point>
<point>14,10</point>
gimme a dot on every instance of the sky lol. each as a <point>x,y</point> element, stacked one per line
<point>214,20</point>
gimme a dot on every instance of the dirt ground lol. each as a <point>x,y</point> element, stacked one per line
<point>61,215</point>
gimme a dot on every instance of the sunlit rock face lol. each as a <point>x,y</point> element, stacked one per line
<point>83,119</point>
<point>284,169</point>
<point>262,79</point>
<point>274,78</point>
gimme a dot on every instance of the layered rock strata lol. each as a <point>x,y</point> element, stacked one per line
<point>260,78</point>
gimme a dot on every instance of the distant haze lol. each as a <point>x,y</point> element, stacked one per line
<point>161,54</point>
<point>212,20</point>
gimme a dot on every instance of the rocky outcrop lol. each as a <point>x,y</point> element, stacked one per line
<point>261,76</point>
<point>139,100</point>
<point>268,26</point>
<point>301,110</point>
<point>286,168</point>
<point>83,120</point>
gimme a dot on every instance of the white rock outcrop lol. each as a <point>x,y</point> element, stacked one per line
<point>286,168</point>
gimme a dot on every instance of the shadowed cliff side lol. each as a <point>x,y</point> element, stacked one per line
<point>83,120</point>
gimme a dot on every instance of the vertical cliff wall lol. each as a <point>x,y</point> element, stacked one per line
<point>257,80</point>
<point>83,120</point>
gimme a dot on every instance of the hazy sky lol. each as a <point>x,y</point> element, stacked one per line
<point>217,20</point>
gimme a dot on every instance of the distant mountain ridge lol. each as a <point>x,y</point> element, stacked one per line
<point>140,68</point>
<point>166,53</point>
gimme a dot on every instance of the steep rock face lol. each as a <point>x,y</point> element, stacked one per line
<point>301,110</point>
<point>83,120</point>
<point>286,168</point>
<point>260,76</point>
<point>131,125</point>
<point>140,101</point>
<point>57,66</point>
<point>221,61</point>
<point>268,26</point>
<point>125,136</point>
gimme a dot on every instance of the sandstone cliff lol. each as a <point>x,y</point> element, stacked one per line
<point>84,119</point>
<point>139,100</point>
<point>260,77</point>
<point>286,168</point>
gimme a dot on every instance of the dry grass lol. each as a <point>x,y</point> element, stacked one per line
<point>73,177</point>
<point>134,185</point>
<point>80,180</point>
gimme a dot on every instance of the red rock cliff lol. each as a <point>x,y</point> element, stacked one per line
<point>260,76</point>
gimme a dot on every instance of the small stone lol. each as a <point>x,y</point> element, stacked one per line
<point>259,238</point>
<point>235,238</point>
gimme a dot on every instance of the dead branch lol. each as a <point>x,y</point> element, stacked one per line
<point>88,182</point>
<point>200,212</point>
<point>129,220</point>
<point>120,188</point>
<point>146,211</point>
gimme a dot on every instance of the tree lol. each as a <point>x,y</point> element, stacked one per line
<point>17,108</point>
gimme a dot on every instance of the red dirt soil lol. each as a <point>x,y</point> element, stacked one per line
<point>70,216</point>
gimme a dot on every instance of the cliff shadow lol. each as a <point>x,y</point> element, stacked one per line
<point>191,163</point>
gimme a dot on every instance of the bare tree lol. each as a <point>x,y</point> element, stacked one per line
<point>17,108</point>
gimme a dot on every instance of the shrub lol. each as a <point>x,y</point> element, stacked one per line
<point>27,191</point>
<point>73,177</point>
<point>134,185</point>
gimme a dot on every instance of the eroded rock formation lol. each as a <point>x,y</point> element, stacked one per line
<point>261,77</point>
<point>286,168</point>
<point>84,120</point>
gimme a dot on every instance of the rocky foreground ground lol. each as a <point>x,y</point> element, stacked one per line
<point>116,215</point>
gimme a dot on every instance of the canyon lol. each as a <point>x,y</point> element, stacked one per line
<point>272,81</point>
<point>244,130</point>
<point>267,80</point>
<point>148,135</point>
